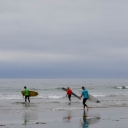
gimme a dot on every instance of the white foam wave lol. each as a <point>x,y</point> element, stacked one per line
<point>10,97</point>
<point>122,87</point>
<point>111,94</point>
<point>99,95</point>
<point>50,96</point>
<point>54,97</point>
<point>40,96</point>
<point>71,108</point>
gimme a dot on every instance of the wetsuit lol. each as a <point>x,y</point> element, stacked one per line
<point>85,97</point>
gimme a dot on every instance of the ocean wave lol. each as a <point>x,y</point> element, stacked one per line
<point>10,97</point>
<point>71,108</point>
<point>62,96</point>
<point>117,95</point>
<point>55,97</point>
<point>50,96</point>
<point>121,87</point>
<point>99,95</point>
<point>40,96</point>
<point>59,88</point>
<point>110,94</point>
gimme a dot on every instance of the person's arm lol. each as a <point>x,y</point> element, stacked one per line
<point>29,92</point>
<point>87,92</point>
<point>23,94</point>
<point>81,95</point>
<point>67,93</point>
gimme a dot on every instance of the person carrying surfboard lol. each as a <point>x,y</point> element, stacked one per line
<point>69,93</point>
<point>26,94</point>
<point>85,96</point>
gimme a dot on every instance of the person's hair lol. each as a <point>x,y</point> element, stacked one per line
<point>83,87</point>
<point>25,87</point>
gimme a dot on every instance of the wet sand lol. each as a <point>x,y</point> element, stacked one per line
<point>93,118</point>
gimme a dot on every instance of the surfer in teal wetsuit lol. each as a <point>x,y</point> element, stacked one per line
<point>85,97</point>
<point>26,94</point>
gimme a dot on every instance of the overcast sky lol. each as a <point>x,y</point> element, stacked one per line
<point>63,39</point>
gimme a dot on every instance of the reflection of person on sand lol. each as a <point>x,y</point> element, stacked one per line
<point>69,117</point>
<point>85,97</point>
<point>25,119</point>
<point>26,94</point>
<point>69,93</point>
<point>85,122</point>
<point>29,117</point>
<point>88,120</point>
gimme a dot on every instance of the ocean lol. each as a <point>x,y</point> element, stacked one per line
<point>110,92</point>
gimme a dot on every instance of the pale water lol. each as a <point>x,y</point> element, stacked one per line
<point>111,93</point>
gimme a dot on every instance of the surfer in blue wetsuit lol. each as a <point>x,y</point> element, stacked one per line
<point>85,97</point>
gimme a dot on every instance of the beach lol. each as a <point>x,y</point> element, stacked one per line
<point>93,118</point>
<point>51,108</point>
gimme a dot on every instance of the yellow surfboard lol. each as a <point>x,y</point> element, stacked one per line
<point>31,93</point>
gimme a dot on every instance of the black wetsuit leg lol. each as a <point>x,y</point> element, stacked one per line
<point>27,97</point>
<point>69,97</point>
<point>84,102</point>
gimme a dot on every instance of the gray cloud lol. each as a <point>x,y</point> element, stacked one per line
<point>63,38</point>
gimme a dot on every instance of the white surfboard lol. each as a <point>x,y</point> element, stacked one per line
<point>90,97</point>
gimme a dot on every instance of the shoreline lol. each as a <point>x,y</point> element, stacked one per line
<point>114,117</point>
